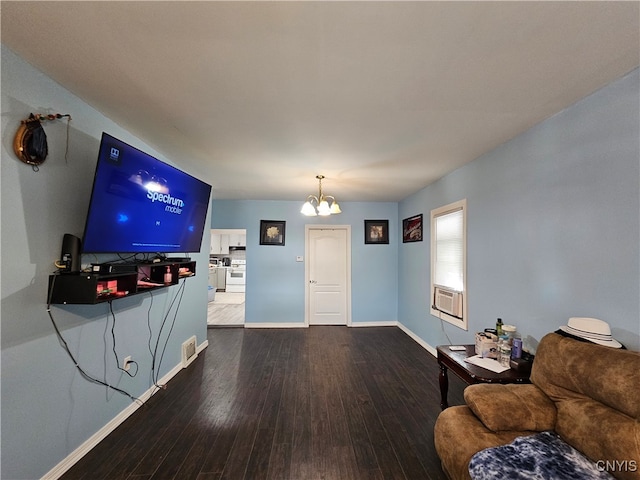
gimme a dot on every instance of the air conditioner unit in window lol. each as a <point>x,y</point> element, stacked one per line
<point>448,301</point>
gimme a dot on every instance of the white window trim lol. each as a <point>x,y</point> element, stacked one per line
<point>458,322</point>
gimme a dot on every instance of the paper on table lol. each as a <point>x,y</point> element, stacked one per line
<point>488,363</point>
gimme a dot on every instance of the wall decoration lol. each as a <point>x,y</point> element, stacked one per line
<point>376,231</point>
<point>272,232</point>
<point>30,141</point>
<point>412,229</point>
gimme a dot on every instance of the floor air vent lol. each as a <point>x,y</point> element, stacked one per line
<point>189,352</point>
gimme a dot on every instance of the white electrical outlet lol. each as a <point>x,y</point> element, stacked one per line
<point>126,363</point>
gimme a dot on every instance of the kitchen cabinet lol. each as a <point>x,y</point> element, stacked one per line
<point>219,244</point>
<point>218,278</point>
<point>221,275</point>
<point>215,244</point>
<point>237,240</point>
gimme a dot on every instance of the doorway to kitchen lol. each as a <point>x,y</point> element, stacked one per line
<point>227,278</point>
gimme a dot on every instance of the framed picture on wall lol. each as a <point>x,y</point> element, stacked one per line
<point>376,231</point>
<point>412,229</point>
<point>272,232</point>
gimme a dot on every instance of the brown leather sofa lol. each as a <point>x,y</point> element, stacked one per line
<point>586,393</point>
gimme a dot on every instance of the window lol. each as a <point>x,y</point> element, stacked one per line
<point>449,263</point>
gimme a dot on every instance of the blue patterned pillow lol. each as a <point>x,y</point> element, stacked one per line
<point>543,456</point>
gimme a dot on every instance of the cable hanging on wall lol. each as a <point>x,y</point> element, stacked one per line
<point>30,141</point>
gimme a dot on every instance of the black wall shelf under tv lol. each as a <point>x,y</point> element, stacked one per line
<point>94,288</point>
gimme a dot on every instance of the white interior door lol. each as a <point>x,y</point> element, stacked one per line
<point>328,292</point>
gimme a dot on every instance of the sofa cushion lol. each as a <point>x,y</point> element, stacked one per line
<point>458,434</point>
<point>565,369</point>
<point>602,434</point>
<point>511,407</point>
<point>543,456</point>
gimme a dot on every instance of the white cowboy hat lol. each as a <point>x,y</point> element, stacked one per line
<point>592,329</point>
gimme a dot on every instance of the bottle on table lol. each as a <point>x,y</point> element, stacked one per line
<point>504,351</point>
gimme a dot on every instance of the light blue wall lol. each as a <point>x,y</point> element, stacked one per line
<point>553,225</point>
<point>48,410</point>
<point>275,281</point>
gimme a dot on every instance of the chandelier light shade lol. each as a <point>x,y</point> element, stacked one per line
<point>320,205</point>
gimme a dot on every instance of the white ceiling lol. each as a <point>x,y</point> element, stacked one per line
<point>383,98</point>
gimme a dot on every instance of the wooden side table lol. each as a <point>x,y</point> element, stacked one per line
<point>454,361</point>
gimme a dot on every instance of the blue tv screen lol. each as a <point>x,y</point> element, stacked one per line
<point>142,205</point>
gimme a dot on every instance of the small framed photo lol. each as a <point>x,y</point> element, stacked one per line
<point>272,232</point>
<point>412,229</point>
<point>376,231</point>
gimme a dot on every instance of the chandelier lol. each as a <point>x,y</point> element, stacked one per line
<point>321,206</point>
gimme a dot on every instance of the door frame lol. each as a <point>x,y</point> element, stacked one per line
<point>307,229</point>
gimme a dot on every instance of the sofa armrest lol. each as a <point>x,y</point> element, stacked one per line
<point>511,407</point>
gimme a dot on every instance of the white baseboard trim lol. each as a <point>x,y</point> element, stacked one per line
<point>202,346</point>
<point>418,340</point>
<point>392,323</point>
<point>75,456</point>
<point>276,325</point>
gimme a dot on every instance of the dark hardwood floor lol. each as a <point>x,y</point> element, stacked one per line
<point>301,404</point>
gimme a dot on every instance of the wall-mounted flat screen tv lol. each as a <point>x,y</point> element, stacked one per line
<point>142,205</point>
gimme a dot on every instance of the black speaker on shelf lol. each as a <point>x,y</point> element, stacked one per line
<point>70,253</point>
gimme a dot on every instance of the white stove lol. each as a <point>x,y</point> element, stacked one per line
<point>236,276</point>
